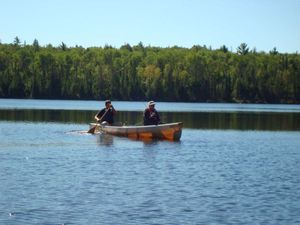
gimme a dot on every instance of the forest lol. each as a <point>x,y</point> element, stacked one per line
<point>132,73</point>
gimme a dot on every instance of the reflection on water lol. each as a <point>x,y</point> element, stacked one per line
<point>195,120</point>
<point>44,115</point>
<point>105,139</point>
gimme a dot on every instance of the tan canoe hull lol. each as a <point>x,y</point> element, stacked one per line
<point>169,131</point>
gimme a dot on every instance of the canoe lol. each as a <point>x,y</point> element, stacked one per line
<point>167,131</point>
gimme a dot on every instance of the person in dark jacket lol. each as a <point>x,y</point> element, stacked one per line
<point>106,114</point>
<point>151,116</point>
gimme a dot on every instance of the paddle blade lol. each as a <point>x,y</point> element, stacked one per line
<point>92,130</point>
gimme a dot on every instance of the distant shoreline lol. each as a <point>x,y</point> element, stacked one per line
<point>139,73</point>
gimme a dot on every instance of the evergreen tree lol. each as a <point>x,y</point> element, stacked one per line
<point>243,49</point>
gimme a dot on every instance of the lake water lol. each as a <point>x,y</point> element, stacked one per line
<point>236,165</point>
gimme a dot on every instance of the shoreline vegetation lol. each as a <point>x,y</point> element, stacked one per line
<point>139,73</point>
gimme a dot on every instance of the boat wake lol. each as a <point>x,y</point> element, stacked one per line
<point>78,132</point>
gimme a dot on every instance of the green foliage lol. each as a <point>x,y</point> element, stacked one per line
<point>143,73</point>
<point>243,49</point>
<point>17,41</point>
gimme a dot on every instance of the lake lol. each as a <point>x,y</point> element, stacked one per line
<point>234,164</point>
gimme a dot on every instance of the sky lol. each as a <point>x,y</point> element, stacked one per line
<point>261,24</point>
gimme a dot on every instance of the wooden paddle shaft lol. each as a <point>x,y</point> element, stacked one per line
<point>103,115</point>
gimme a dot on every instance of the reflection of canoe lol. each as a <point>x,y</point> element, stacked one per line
<point>168,131</point>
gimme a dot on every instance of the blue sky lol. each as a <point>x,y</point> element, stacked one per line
<point>262,24</point>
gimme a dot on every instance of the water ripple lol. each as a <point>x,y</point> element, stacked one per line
<point>209,177</point>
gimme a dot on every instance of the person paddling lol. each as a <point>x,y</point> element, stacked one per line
<point>151,116</point>
<point>106,114</point>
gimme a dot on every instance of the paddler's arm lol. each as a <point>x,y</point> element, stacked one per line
<point>99,114</point>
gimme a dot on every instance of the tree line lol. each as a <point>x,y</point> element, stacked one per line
<point>196,74</point>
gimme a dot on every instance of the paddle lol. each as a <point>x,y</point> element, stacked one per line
<point>92,130</point>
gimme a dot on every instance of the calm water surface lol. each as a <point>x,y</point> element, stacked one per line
<point>140,106</point>
<point>51,173</point>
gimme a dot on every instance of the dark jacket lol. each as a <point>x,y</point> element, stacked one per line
<point>151,117</point>
<point>108,117</point>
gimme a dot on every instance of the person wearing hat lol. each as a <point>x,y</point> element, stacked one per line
<point>106,114</point>
<point>151,116</point>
